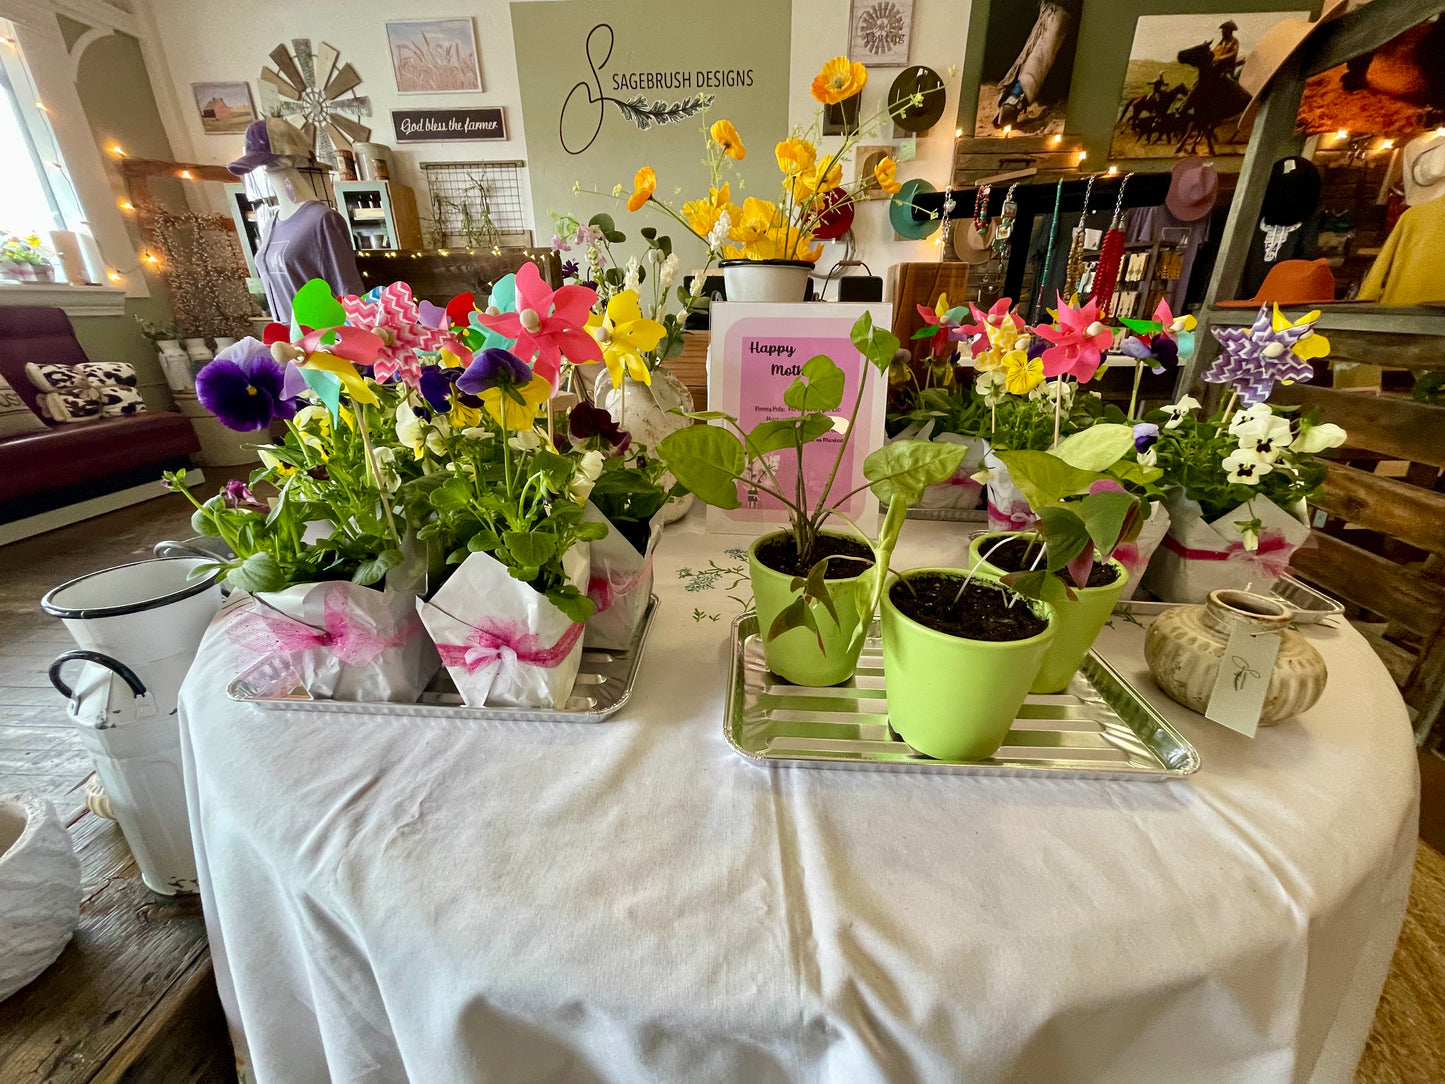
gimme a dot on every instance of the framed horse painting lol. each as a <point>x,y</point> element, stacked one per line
<point>1181,92</point>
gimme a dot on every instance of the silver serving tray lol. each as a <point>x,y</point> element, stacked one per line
<point>604,685</point>
<point>1310,606</point>
<point>1100,729</point>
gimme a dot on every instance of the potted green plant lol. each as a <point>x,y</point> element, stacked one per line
<point>815,589</point>
<point>959,653</point>
<point>1084,515</point>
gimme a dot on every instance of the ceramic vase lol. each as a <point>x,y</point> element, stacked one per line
<point>952,698</point>
<point>796,655</point>
<point>645,412</point>
<point>1079,618</point>
<point>766,280</point>
<point>1185,647</point>
<point>39,889</point>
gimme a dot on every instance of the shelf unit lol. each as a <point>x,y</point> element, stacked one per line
<point>380,214</point>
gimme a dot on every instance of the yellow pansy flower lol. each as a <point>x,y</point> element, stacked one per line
<point>643,186</point>
<point>885,173</point>
<point>463,416</point>
<point>1022,374</point>
<point>839,78</point>
<point>795,155</point>
<point>625,335</point>
<point>726,136</point>
<point>509,413</point>
<point>1314,345</point>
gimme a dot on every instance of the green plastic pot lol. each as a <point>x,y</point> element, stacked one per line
<point>795,655</point>
<point>951,698</point>
<point>1080,619</point>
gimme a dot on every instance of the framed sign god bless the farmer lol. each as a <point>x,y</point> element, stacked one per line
<point>757,351</point>
<point>449,125</point>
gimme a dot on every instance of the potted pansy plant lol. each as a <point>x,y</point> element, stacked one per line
<point>1238,481</point>
<point>816,589</point>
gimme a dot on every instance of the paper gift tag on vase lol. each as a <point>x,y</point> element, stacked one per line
<point>1243,680</point>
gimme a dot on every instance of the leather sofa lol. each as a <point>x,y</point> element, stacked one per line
<point>68,463</point>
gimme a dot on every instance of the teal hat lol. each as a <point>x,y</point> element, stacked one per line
<point>909,220</point>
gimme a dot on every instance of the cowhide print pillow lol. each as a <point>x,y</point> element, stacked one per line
<point>62,407</point>
<point>116,400</point>
<point>109,372</point>
<point>64,379</point>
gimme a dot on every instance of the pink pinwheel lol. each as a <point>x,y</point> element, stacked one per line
<point>547,325</point>
<point>1079,341</point>
<point>976,333</point>
<point>393,316</point>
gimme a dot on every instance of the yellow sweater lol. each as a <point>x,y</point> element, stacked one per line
<point>1410,269</point>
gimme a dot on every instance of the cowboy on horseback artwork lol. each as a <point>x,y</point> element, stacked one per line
<point>1182,94</point>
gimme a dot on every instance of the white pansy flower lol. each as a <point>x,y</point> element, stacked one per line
<point>1245,467</point>
<point>385,467</point>
<point>992,385</point>
<point>585,476</point>
<point>527,440</point>
<point>1257,413</point>
<point>1265,437</point>
<point>1317,438</point>
<point>1179,411</point>
<point>1149,457</point>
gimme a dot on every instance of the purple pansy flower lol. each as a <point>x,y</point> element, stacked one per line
<point>494,368</point>
<point>570,269</point>
<point>436,387</point>
<point>1146,435</point>
<point>594,427</point>
<point>243,387</point>
<point>1159,350</point>
<point>236,494</point>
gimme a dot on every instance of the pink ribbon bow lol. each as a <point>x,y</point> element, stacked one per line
<point>507,642</point>
<point>1271,558</point>
<point>1019,517</point>
<point>345,635</point>
<point>606,590</point>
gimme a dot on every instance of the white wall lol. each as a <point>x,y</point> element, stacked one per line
<point>210,40</point>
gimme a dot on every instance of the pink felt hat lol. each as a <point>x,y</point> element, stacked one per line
<point>1193,187</point>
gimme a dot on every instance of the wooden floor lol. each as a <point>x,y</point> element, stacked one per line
<point>132,999</point>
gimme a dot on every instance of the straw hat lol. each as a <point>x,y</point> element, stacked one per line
<point>1424,169</point>
<point>1292,282</point>
<point>1193,188</point>
<point>1276,46</point>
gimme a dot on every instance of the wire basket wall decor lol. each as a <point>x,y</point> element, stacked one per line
<point>476,205</point>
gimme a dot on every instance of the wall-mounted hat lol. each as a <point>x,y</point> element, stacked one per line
<point>922,116</point>
<point>971,246</point>
<point>272,142</point>
<point>1193,188</point>
<point>1293,192</point>
<point>1276,46</point>
<point>909,220</point>
<point>836,216</point>
<point>1292,282</point>
<point>1424,168</point>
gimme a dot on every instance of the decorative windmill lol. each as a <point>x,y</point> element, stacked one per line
<point>306,92</point>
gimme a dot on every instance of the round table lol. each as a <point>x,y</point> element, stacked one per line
<point>429,900</point>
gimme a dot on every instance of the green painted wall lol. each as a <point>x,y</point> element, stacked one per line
<point>1105,36</point>
<point>115,91</point>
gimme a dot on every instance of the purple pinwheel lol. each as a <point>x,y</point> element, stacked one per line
<point>593,427</point>
<point>243,387</point>
<point>494,368</point>
<point>1256,358</point>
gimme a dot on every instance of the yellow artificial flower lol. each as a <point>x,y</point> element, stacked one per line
<point>754,221</point>
<point>839,78</point>
<point>1314,345</point>
<point>791,243</point>
<point>643,186</point>
<point>885,173</point>
<point>726,136</point>
<point>509,413</point>
<point>795,155</point>
<point>625,335</point>
<point>702,214</point>
<point>1022,374</point>
<point>804,185</point>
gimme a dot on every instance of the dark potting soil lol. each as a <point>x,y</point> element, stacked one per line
<point>982,613</point>
<point>1018,555</point>
<point>781,555</point>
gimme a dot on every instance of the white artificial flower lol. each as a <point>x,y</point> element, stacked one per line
<point>1179,411</point>
<point>633,277</point>
<point>719,232</point>
<point>585,476</point>
<point>1317,438</point>
<point>667,273</point>
<point>1245,467</point>
<point>1265,437</point>
<point>1257,413</point>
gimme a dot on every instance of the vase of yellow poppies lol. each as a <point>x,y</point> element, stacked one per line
<point>766,280</point>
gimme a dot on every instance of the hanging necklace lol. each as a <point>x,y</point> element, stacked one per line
<point>1111,255</point>
<point>1074,269</point>
<point>1005,228</point>
<point>1048,253</point>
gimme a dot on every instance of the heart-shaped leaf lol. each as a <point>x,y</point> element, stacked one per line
<point>708,460</point>
<point>819,386</point>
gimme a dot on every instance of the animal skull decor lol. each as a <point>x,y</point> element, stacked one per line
<point>307,90</point>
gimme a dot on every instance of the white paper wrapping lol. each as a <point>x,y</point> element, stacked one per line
<point>1008,508</point>
<point>960,492</point>
<point>619,585</point>
<point>1199,556</point>
<point>502,642</point>
<point>344,641</point>
<point>1136,555</point>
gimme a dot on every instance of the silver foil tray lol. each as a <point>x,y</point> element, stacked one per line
<point>1310,606</point>
<point>1100,729</point>
<point>604,684</point>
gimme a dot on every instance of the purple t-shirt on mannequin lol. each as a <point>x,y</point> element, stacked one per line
<point>314,243</point>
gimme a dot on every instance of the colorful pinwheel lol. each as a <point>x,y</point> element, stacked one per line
<point>1269,352</point>
<point>548,324</point>
<point>1079,341</point>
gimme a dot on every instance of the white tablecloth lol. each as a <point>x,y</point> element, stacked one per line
<point>439,902</point>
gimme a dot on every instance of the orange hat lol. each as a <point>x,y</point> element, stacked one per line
<point>1292,282</point>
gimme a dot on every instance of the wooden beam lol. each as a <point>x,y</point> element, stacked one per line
<point>1372,582</point>
<point>1409,513</point>
<point>1363,30</point>
<point>1390,424</point>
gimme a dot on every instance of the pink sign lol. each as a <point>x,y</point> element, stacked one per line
<point>757,351</point>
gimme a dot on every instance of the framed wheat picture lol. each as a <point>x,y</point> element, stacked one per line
<point>435,56</point>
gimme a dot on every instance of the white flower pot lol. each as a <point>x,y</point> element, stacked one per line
<point>197,350</point>
<point>766,280</point>
<point>645,412</point>
<point>39,889</point>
